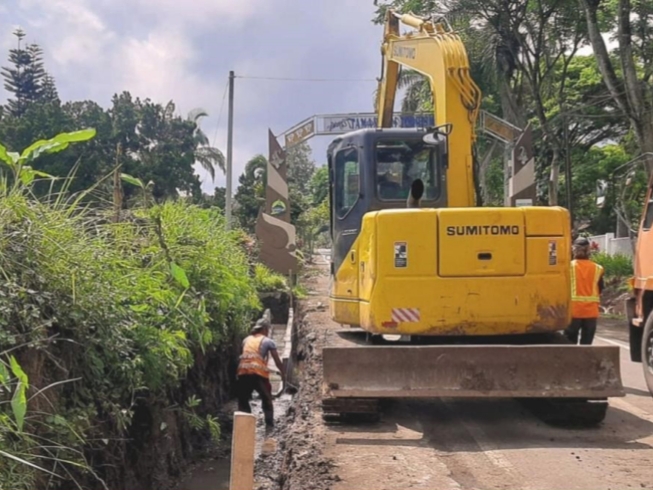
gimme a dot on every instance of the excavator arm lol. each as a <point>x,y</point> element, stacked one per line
<point>437,53</point>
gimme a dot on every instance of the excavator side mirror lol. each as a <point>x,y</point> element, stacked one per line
<point>431,138</point>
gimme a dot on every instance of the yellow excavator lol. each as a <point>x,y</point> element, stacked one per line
<point>441,297</point>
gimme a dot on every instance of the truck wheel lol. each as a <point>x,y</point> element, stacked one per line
<point>647,352</point>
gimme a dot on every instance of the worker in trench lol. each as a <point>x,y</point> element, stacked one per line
<point>586,288</point>
<point>253,371</point>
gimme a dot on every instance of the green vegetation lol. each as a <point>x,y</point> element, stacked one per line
<point>146,139</point>
<point>308,194</point>
<point>300,291</point>
<point>616,266</point>
<point>120,301</point>
<point>104,319</point>
<point>268,281</point>
<point>250,194</point>
<point>593,110</point>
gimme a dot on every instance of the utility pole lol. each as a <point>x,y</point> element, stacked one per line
<point>230,141</point>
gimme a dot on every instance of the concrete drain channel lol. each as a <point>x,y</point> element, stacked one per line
<point>250,442</point>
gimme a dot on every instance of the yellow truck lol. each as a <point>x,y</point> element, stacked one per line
<point>450,299</point>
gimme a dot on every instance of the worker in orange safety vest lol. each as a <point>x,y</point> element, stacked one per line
<point>586,288</point>
<point>253,371</point>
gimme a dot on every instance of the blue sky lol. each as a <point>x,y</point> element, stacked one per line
<point>183,50</point>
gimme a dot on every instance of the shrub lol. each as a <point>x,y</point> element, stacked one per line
<point>616,266</point>
<point>102,321</point>
<point>268,281</point>
<point>300,291</point>
<point>122,309</point>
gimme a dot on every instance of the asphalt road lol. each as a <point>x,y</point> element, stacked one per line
<point>462,444</point>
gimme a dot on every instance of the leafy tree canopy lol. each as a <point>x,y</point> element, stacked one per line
<point>145,139</point>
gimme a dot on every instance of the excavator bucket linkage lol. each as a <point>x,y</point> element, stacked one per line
<point>478,371</point>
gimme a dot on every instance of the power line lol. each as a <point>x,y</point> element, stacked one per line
<point>217,127</point>
<point>288,79</point>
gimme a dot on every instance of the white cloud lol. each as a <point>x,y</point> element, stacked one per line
<point>169,49</point>
<point>159,67</point>
<point>215,12</point>
<point>74,32</point>
<point>85,48</point>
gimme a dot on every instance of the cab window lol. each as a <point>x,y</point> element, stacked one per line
<point>399,163</point>
<point>347,181</point>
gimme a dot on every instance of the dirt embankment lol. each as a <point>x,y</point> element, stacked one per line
<point>299,462</point>
<point>613,299</point>
<point>163,443</point>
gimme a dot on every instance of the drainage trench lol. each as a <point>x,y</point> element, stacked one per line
<point>214,474</point>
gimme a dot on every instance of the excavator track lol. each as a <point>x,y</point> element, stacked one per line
<point>336,410</point>
<point>561,412</point>
<point>558,412</point>
<point>572,413</point>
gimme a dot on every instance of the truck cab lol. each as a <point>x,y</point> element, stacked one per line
<point>640,304</point>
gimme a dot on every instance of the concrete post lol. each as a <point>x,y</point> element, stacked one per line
<point>242,452</point>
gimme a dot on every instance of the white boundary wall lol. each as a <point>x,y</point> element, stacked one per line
<point>611,245</point>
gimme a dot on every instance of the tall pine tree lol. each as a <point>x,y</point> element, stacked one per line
<point>49,91</point>
<point>27,77</point>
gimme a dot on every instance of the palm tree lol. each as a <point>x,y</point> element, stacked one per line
<point>209,157</point>
<point>418,96</point>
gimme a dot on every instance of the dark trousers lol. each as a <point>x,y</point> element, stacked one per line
<point>585,326</point>
<point>249,383</point>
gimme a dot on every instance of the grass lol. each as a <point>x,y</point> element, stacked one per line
<point>268,281</point>
<point>111,316</point>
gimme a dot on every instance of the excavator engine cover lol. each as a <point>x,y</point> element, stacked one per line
<point>457,272</point>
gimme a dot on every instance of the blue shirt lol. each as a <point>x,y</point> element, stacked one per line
<point>266,346</point>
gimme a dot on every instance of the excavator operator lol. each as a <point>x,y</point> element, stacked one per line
<point>586,288</point>
<point>396,173</point>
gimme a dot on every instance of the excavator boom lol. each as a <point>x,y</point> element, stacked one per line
<point>438,54</point>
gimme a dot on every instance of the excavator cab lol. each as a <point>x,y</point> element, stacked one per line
<point>374,169</point>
